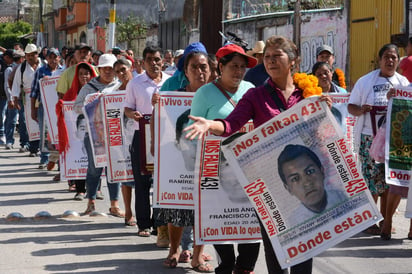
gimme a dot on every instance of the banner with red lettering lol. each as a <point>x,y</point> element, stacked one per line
<point>49,100</point>
<point>345,120</point>
<point>73,166</point>
<point>303,180</point>
<point>398,145</point>
<point>119,135</point>
<point>174,154</point>
<point>93,112</point>
<point>223,213</point>
<point>33,129</point>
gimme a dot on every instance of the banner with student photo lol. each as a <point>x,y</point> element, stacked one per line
<point>398,145</point>
<point>49,100</point>
<point>73,163</point>
<point>223,213</point>
<point>340,111</point>
<point>303,180</point>
<point>33,129</point>
<point>93,112</point>
<point>174,154</point>
<point>119,132</point>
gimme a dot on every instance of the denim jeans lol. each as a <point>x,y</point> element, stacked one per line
<point>3,108</point>
<point>93,176</point>
<point>10,125</point>
<point>44,152</point>
<point>187,238</point>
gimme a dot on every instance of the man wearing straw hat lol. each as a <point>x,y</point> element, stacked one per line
<point>258,74</point>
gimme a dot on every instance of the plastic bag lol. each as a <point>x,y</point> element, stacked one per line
<point>377,149</point>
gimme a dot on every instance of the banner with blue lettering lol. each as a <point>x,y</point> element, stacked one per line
<point>398,145</point>
<point>174,154</point>
<point>223,213</point>
<point>303,181</point>
<point>73,166</point>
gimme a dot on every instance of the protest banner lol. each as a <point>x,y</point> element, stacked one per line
<point>146,157</point>
<point>303,181</point>
<point>49,100</point>
<point>93,112</point>
<point>33,129</point>
<point>174,154</point>
<point>398,145</point>
<point>73,163</point>
<point>119,134</point>
<point>223,213</point>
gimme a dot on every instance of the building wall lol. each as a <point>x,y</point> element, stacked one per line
<point>317,28</point>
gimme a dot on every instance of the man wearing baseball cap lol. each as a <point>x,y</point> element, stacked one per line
<point>82,53</point>
<point>51,69</point>
<point>22,81</point>
<point>325,53</point>
<point>105,81</point>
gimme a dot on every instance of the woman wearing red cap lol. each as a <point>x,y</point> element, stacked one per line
<point>217,100</point>
<point>281,59</point>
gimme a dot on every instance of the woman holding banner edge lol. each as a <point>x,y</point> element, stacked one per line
<point>281,91</point>
<point>217,100</point>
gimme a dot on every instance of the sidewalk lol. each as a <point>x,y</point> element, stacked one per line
<point>104,245</point>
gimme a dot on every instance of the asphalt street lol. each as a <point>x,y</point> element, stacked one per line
<point>102,244</point>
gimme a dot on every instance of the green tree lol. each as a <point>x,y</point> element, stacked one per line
<point>9,32</point>
<point>131,29</point>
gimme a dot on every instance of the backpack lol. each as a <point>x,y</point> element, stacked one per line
<point>3,67</point>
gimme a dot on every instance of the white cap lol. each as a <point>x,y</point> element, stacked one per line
<point>106,60</point>
<point>179,52</point>
<point>30,48</point>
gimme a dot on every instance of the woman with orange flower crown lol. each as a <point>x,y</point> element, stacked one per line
<point>280,92</point>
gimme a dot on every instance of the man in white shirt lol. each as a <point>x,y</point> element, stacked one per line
<point>139,93</point>
<point>22,84</point>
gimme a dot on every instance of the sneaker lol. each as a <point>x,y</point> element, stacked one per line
<point>79,197</point>
<point>24,149</point>
<point>99,195</point>
<point>9,146</point>
<point>32,154</point>
<point>42,166</point>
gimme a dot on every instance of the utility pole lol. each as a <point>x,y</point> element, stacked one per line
<point>112,23</point>
<point>18,11</point>
<point>297,21</point>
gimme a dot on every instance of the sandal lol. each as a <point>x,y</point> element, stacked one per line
<point>129,222</point>
<point>203,268</point>
<point>185,256</point>
<point>206,257</point>
<point>144,232</point>
<point>373,230</point>
<point>90,208</point>
<point>170,263</point>
<point>115,211</point>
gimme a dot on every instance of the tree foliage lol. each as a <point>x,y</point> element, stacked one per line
<point>132,28</point>
<point>9,32</point>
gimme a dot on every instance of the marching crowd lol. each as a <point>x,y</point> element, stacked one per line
<point>231,88</point>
